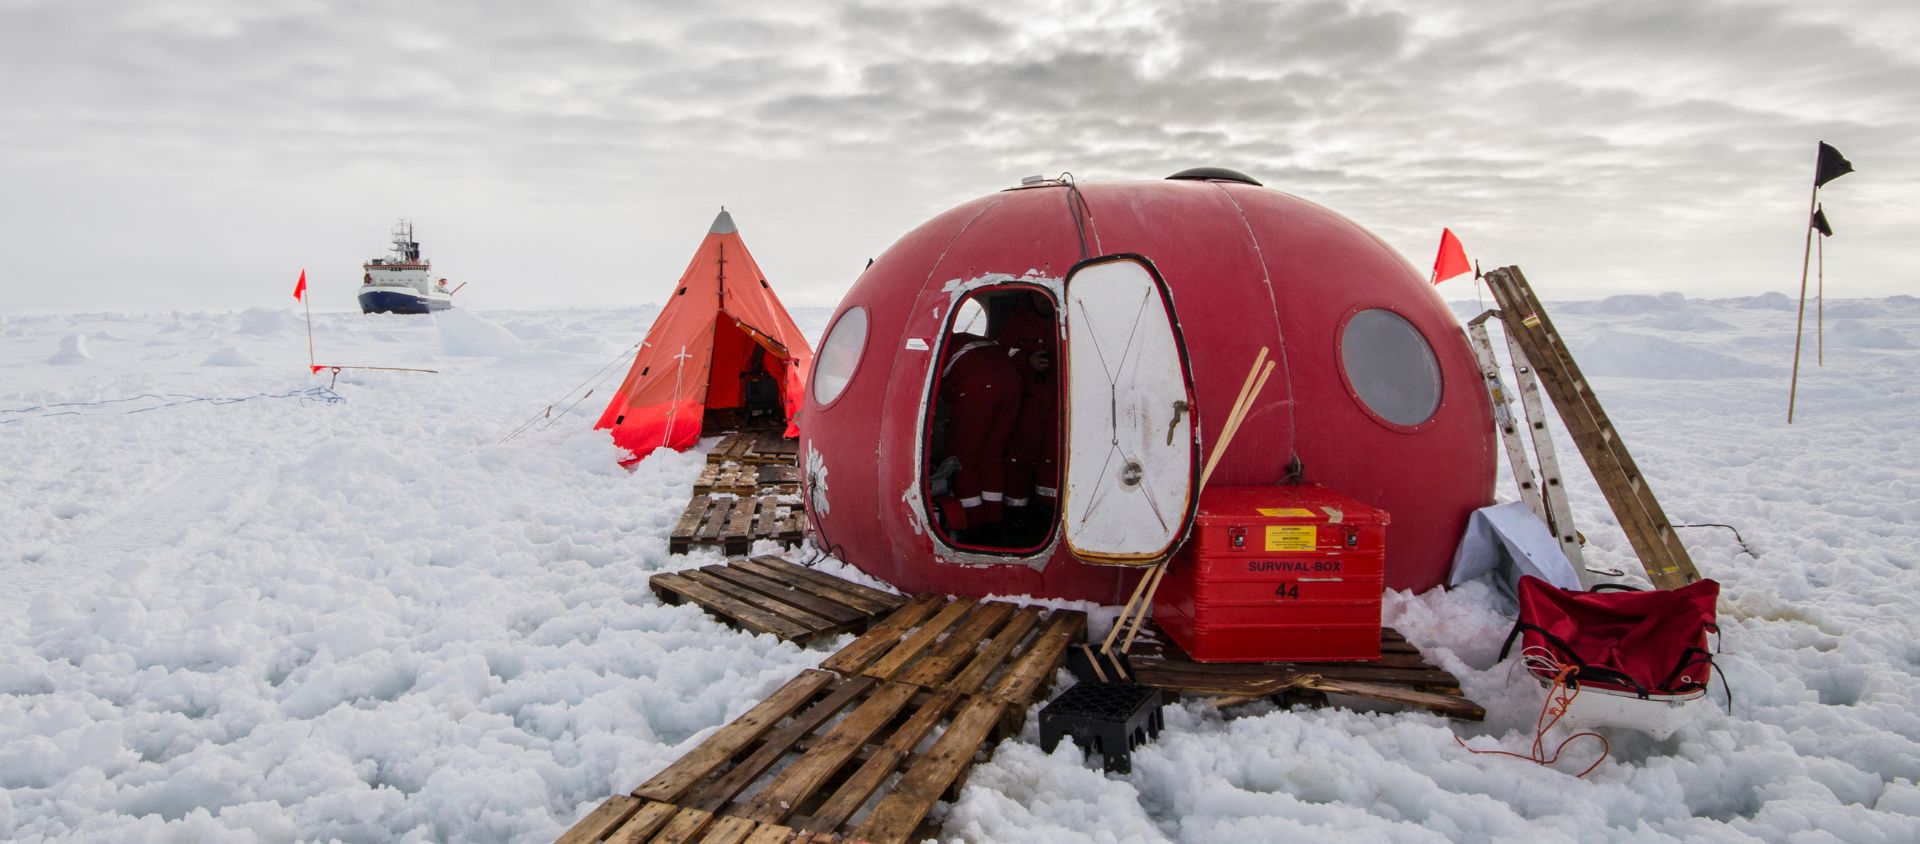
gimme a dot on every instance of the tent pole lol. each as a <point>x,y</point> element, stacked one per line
<point>1800,322</point>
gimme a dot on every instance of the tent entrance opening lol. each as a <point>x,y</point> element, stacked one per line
<point>743,388</point>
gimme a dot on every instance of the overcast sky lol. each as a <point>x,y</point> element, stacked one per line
<point>197,155</point>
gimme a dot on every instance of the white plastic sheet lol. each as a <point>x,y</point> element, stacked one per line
<point>1510,541</point>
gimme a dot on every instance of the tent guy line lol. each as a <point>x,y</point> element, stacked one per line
<point>598,377</point>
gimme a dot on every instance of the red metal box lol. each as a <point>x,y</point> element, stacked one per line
<point>1277,574</point>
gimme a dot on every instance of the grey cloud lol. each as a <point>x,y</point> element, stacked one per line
<point>1532,128</point>
<point>1243,33</point>
<point>947,25</point>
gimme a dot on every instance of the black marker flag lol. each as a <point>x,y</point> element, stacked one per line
<point>1833,165</point>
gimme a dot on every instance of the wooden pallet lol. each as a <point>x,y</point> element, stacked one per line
<point>835,753</point>
<point>631,819</point>
<point>779,474</point>
<point>1401,675</point>
<point>754,447</point>
<point>770,595</point>
<point>775,444</point>
<point>966,646</point>
<point>733,522</point>
<point>728,477</point>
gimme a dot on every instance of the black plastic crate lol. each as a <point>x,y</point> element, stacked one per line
<point>1110,719</point>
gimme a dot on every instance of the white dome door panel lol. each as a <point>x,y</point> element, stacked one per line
<point>1131,458</point>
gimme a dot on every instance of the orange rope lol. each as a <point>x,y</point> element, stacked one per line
<point>1560,697</point>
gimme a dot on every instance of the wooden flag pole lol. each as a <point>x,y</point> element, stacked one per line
<point>1820,302</point>
<point>1800,322</point>
<point>308,304</point>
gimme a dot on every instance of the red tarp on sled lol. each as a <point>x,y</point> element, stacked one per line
<point>1646,642</point>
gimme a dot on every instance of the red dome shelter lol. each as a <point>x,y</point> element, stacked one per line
<point>1375,393</point>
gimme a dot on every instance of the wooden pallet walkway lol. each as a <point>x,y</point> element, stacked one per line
<point>835,754</point>
<point>631,819</point>
<point>967,646</point>
<point>779,474</point>
<point>1401,675</point>
<point>748,491</point>
<point>767,594</point>
<point>754,447</point>
<point>733,523</point>
<point>728,477</point>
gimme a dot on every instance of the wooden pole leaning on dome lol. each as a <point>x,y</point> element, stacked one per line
<point>1143,592</point>
<point>1660,550</point>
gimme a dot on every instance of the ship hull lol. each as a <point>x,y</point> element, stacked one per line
<point>391,301</point>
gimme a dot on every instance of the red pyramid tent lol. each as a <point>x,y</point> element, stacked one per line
<point>722,342</point>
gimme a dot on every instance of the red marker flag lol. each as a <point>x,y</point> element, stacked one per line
<point>300,290</point>
<point>1452,259</point>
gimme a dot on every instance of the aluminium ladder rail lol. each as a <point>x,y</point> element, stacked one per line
<point>1660,550</point>
<point>1546,496</point>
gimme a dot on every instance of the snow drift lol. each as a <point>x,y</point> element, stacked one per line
<point>73,350</point>
<point>262,322</point>
<point>229,356</point>
<point>1687,320</point>
<point>1628,304</point>
<point>465,333</point>
<point>1645,356</point>
<point>1853,334</point>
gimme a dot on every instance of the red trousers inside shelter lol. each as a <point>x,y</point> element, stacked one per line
<point>982,387</point>
<point>1033,467</point>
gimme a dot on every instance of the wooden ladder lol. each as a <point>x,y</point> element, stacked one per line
<point>1661,552</point>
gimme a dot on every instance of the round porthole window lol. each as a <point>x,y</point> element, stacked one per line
<point>839,355</point>
<point>1390,367</point>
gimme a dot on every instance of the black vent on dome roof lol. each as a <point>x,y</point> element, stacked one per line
<point>1214,174</point>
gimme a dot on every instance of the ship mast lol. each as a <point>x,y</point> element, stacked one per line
<point>404,248</point>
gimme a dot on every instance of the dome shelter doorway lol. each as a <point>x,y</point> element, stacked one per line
<point>991,444</point>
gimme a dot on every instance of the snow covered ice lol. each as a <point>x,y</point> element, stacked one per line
<point>289,618</point>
